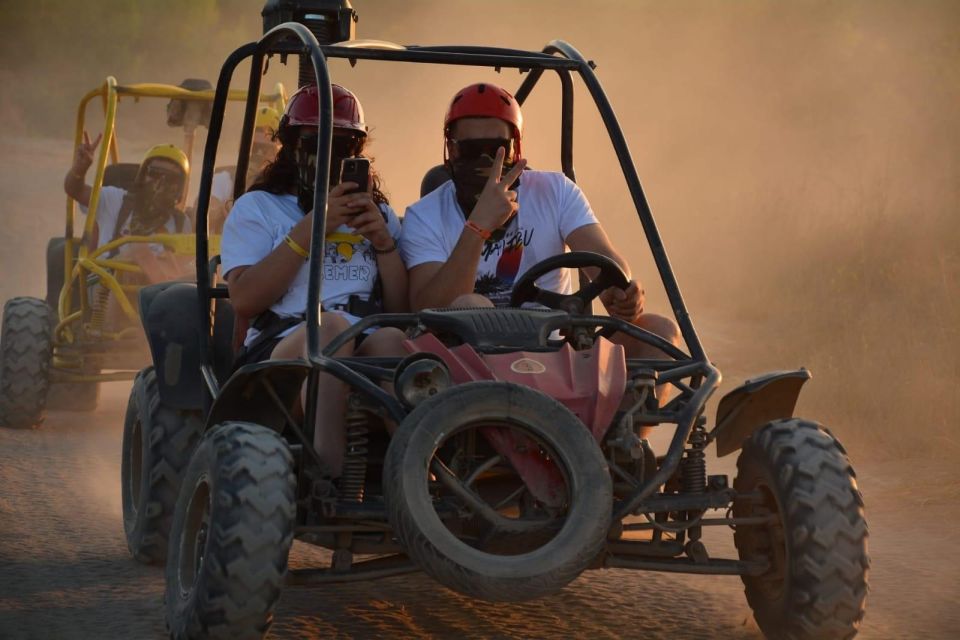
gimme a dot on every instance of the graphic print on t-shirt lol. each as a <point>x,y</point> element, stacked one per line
<point>340,258</point>
<point>499,265</point>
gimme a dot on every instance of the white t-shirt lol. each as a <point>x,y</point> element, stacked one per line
<point>108,212</point>
<point>551,208</point>
<point>222,186</point>
<point>257,225</point>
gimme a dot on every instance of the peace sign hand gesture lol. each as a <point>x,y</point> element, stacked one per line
<point>83,157</point>
<point>497,202</point>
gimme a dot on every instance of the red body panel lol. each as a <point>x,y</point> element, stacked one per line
<point>589,383</point>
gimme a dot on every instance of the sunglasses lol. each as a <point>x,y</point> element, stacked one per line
<point>474,148</point>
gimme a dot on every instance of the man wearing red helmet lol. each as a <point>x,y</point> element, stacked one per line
<point>265,248</point>
<point>475,234</point>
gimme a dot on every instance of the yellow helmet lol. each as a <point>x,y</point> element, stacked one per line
<point>267,118</point>
<point>167,152</point>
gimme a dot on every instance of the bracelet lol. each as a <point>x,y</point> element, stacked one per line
<point>296,248</point>
<point>477,229</point>
<point>383,252</point>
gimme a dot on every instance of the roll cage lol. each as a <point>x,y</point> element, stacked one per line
<point>79,260</point>
<point>691,373</point>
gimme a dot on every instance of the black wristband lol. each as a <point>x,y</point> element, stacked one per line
<point>383,252</point>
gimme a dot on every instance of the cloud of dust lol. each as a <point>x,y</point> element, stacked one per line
<point>801,160</point>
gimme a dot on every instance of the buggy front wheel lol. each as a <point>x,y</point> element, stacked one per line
<point>498,491</point>
<point>231,534</point>
<point>796,474</point>
<point>26,347</point>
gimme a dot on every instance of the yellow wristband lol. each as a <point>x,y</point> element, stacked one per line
<point>297,249</point>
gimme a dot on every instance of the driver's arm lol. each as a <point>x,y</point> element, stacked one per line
<point>591,237</point>
<point>437,284</point>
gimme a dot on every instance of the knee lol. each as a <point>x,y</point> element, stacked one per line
<point>332,325</point>
<point>664,327</point>
<point>387,341</point>
<point>471,300</point>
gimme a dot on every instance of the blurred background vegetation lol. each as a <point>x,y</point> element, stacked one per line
<point>802,160</point>
<point>42,41</point>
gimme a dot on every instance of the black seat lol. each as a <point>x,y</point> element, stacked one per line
<point>121,174</point>
<point>434,178</point>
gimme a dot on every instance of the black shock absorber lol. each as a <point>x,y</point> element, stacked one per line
<point>355,461</point>
<point>694,472</point>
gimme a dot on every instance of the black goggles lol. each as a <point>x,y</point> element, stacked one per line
<point>162,174</point>
<point>474,148</point>
<point>343,146</point>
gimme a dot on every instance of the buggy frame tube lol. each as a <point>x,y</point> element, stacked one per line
<point>704,382</point>
<point>203,204</point>
<point>566,113</point>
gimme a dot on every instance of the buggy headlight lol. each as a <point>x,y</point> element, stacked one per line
<point>420,376</point>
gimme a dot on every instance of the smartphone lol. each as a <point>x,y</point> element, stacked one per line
<point>355,170</point>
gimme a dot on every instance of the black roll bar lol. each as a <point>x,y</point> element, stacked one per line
<point>557,55</point>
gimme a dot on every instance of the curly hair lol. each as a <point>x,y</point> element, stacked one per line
<point>282,176</point>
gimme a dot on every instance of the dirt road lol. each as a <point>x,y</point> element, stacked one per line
<point>65,571</point>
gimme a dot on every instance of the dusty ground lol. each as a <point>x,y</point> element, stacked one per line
<point>65,571</point>
<point>64,568</point>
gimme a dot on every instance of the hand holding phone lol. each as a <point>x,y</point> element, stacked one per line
<point>356,170</point>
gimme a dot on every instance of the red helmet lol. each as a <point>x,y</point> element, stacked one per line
<point>484,100</point>
<point>303,109</point>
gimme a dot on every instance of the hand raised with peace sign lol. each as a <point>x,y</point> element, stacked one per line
<point>497,202</point>
<point>83,157</point>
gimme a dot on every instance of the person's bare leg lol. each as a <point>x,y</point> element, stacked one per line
<point>385,342</point>
<point>666,329</point>
<point>329,438</point>
<point>470,300</point>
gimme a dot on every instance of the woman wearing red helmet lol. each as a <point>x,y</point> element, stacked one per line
<point>264,253</point>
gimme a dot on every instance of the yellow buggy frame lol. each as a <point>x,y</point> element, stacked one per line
<point>67,335</point>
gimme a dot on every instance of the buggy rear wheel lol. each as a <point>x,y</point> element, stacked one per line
<point>157,443</point>
<point>799,475</point>
<point>26,346</point>
<point>498,491</point>
<point>231,535</point>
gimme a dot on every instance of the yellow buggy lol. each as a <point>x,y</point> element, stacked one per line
<point>56,352</point>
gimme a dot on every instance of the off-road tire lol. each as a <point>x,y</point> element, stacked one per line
<point>73,396</point>
<point>242,475</point>
<point>26,347</point>
<point>818,586</point>
<point>461,567</point>
<point>157,443</point>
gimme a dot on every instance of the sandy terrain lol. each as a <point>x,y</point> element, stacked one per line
<point>65,571</point>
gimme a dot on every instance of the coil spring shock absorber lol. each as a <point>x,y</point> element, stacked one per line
<point>355,462</point>
<point>99,311</point>
<point>694,472</point>
<point>694,480</point>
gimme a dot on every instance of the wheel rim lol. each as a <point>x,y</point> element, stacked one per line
<point>497,511</point>
<point>769,544</point>
<point>193,541</point>
<point>136,465</point>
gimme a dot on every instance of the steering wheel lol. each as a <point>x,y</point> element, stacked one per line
<point>611,275</point>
